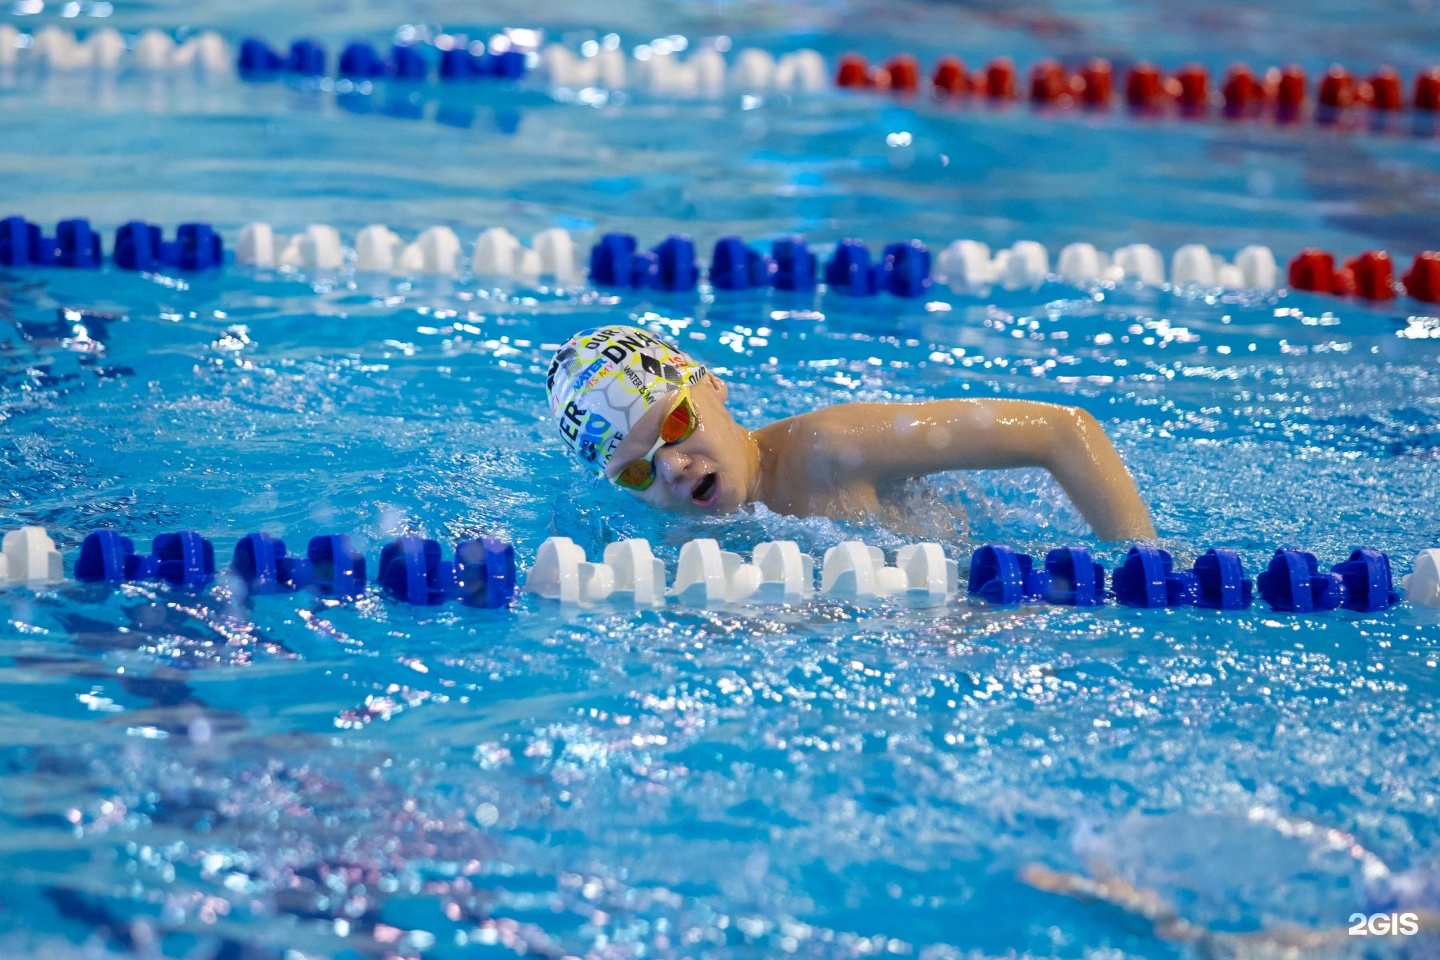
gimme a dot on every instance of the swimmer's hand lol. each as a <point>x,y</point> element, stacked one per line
<point>885,442</point>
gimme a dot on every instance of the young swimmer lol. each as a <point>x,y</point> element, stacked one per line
<point>652,420</point>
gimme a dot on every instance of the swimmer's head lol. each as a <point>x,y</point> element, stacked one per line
<point>610,388</point>
<point>603,380</point>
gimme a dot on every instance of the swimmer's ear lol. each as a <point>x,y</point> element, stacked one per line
<point>718,385</point>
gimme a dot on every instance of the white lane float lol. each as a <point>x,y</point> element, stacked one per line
<point>1081,262</point>
<point>630,574</point>
<point>753,71</point>
<point>377,249</point>
<point>557,255</point>
<point>497,251</point>
<point>1140,262</point>
<point>803,71</point>
<point>922,573</point>
<point>969,266</point>
<point>154,50</point>
<point>707,576</point>
<point>318,248</point>
<point>27,555</point>
<point>256,247</point>
<point>9,45</point>
<point>1422,585</point>
<point>436,251</point>
<point>562,573</point>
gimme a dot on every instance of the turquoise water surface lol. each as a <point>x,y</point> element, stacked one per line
<point>209,776</point>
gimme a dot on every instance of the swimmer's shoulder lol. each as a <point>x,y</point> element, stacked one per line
<point>811,467</point>
<point>834,422</point>
<point>822,439</point>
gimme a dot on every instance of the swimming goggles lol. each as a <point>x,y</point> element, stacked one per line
<point>678,425</point>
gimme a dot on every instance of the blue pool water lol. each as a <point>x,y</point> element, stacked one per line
<point>197,776</point>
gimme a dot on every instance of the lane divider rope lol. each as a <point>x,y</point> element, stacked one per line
<point>902,269</point>
<point>1284,94</point>
<point>414,570</point>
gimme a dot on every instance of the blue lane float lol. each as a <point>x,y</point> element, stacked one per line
<point>184,559</point>
<point>1294,583</point>
<point>1222,581</point>
<point>903,270</point>
<point>1073,579</point>
<point>74,245</point>
<point>612,259</point>
<point>1070,577</point>
<point>849,270</point>
<point>675,264</point>
<point>616,261</point>
<point>794,265</point>
<point>1368,584</point>
<point>306,58</point>
<point>21,244</point>
<point>361,61</point>
<point>337,569</point>
<point>257,61</point>
<point>262,564</point>
<point>735,266</point>
<point>1148,579</point>
<point>460,64</point>
<point>1001,576</point>
<point>140,246</point>
<point>413,570</point>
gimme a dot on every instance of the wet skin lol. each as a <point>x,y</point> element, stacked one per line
<point>834,462</point>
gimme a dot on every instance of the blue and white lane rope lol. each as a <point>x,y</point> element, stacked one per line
<point>483,573</point>
<point>617,260</point>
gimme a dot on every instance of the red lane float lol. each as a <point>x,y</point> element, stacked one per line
<point>1427,89</point>
<point>1191,88</point>
<point>1097,82</point>
<point>901,74</point>
<point>1284,92</point>
<point>999,82</point>
<point>853,72</point>
<point>1144,87</point>
<point>1371,275</point>
<point>1423,280</point>
<point>950,78</point>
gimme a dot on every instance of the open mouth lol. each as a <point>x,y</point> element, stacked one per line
<point>706,490</point>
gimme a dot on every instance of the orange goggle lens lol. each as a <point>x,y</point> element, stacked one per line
<point>637,475</point>
<point>678,425</point>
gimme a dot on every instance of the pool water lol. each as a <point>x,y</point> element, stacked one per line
<point>209,776</point>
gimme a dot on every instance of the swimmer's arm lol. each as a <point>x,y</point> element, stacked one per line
<point>892,441</point>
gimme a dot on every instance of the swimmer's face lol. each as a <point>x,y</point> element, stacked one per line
<point>707,472</point>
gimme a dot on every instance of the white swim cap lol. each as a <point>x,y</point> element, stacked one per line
<point>602,381</point>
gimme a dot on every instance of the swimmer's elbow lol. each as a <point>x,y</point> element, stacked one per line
<point>1073,430</point>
